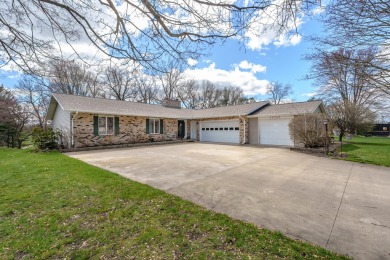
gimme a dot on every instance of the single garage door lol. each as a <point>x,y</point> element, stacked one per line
<point>220,131</point>
<point>274,132</point>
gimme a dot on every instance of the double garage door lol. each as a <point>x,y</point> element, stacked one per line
<point>220,131</point>
<point>269,131</point>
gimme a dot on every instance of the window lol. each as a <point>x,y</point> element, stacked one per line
<point>230,128</point>
<point>106,125</point>
<point>226,128</point>
<point>221,128</point>
<point>207,129</point>
<point>236,128</point>
<point>154,126</point>
<point>216,129</point>
<point>203,129</point>
<point>211,129</point>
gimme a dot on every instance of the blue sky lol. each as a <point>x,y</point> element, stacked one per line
<point>236,64</point>
<point>285,64</point>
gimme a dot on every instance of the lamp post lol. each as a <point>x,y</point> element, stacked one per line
<point>326,136</point>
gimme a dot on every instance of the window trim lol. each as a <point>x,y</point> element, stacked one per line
<point>152,126</point>
<point>106,127</point>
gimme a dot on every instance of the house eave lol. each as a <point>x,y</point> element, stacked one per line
<point>155,115</point>
<point>272,115</point>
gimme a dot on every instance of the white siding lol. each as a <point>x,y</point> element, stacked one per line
<point>253,131</point>
<point>61,119</point>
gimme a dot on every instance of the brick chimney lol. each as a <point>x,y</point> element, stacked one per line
<point>172,103</point>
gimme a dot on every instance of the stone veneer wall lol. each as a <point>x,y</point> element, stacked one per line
<point>188,128</point>
<point>243,120</point>
<point>131,130</point>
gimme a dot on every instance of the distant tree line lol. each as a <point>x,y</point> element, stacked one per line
<point>27,103</point>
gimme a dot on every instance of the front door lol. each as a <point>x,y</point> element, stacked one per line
<point>181,129</point>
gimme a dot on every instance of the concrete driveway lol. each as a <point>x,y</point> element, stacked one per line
<point>339,205</point>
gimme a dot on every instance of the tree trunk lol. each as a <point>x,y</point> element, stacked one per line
<point>341,135</point>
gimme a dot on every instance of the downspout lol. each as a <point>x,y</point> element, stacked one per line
<point>72,132</point>
<point>243,122</point>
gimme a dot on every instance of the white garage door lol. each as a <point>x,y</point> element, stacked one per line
<point>274,132</point>
<point>220,131</point>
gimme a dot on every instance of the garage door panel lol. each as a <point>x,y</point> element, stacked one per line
<point>220,131</point>
<point>274,132</point>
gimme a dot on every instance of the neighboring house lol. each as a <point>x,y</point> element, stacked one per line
<point>87,121</point>
<point>380,130</point>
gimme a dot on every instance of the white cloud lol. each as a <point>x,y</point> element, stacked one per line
<point>263,33</point>
<point>246,80</point>
<point>295,39</point>
<point>319,10</point>
<point>257,42</point>
<point>285,40</point>
<point>310,94</point>
<point>15,76</point>
<point>9,67</point>
<point>254,68</point>
<point>192,62</point>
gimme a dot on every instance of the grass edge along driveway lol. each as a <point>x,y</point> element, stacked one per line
<point>53,206</point>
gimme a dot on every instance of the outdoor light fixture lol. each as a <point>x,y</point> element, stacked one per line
<point>326,136</point>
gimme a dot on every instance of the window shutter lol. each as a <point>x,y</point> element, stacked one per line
<point>147,126</point>
<point>161,126</point>
<point>95,125</point>
<point>116,125</point>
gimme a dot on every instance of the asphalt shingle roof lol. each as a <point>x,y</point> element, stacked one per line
<point>236,110</point>
<point>116,107</point>
<point>289,109</point>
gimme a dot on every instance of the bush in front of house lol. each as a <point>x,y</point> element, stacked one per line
<point>308,129</point>
<point>45,139</point>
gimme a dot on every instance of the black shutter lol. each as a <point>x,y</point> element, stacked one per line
<point>161,126</point>
<point>147,126</point>
<point>116,125</point>
<point>95,125</point>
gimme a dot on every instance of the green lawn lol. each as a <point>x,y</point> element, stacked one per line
<point>53,206</point>
<point>372,150</point>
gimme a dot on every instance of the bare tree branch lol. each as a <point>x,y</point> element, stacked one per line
<point>279,91</point>
<point>363,24</point>
<point>344,78</point>
<point>120,83</point>
<point>142,31</point>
